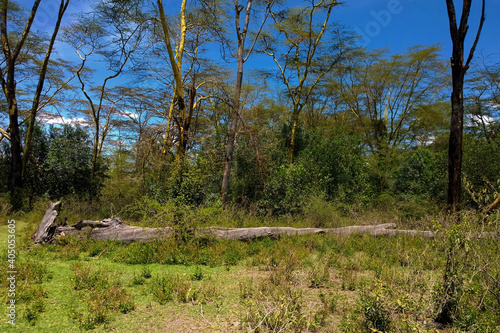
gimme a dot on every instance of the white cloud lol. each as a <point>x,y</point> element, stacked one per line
<point>480,119</point>
<point>127,114</point>
<point>52,119</point>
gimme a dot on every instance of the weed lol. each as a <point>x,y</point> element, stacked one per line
<point>319,275</point>
<point>278,312</point>
<point>102,294</point>
<point>375,310</point>
<point>32,271</point>
<point>166,288</point>
<point>198,274</point>
<point>138,279</point>
<point>162,289</point>
<point>146,272</point>
<point>329,305</point>
<point>33,310</point>
<point>246,289</point>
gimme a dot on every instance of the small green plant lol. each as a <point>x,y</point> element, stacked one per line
<point>375,310</point>
<point>280,312</point>
<point>162,289</point>
<point>138,279</point>
<point>198,274</point>
<point>102,296</point>
<point>447,298</point>
<point>247,289</point>
<point>33,309</point>
<point>32,271</point>
<point>349,279</point>
<point>329,305</point>
<point>166,288</point>
<point>146,272</point>
<point>318,276</point>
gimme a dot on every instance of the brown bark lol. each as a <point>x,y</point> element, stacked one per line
<point>11,54</point>
<point>458,70</point>
<point>231,135</point>
<point>41,80</point>
<point>492,206</point>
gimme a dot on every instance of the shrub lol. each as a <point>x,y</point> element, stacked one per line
<point>287,190</point>
<point>102,296</point>
<point>420,176</point>
<point>166,288</point>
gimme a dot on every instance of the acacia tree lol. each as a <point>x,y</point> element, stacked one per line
<point>242,56</point>
<point>11,51</point>
<point>389,97</point>
<point>306,57</point>
<point>385,94</point>
<point>91,36</point>
<point>484,101</point>
<point>458,70</point>
<point>191,73</point>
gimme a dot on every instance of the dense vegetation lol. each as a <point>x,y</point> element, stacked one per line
<point>332,135</point>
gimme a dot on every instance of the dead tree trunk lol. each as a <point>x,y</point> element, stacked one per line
<point>115,229</point>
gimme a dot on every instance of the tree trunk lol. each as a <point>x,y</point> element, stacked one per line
<point>11,54</point>
<point>291,146</point>
<point>45,231</point>
<point>115,229</point>
<point>16,180</point>
<point>235,109</point>
<point>456,137</point>
<point>458,70</point>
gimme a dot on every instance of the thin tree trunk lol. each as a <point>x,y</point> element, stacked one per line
<point>456,138</point>
<point>293,134</point>
<point>9,87</point>
<point>39,88</point>
<point>231,135</point>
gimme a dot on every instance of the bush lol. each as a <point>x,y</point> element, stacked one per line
<point>481,168</point>
<point>421,176</point>
<point>102,296</point>
<point>287,190</point>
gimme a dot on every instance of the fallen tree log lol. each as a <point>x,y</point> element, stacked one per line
<point>115,229</point>
<point>45,231</point>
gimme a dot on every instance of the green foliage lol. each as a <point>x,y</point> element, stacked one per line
<point>467,296</point>
<point>421,176</point>
<point>287,190</point>
<point>375,311</point>
<point>166,288</point>
<point>103,295</point>
<point>481,168</point>
<point>336,166</point>
<point>65,161</point>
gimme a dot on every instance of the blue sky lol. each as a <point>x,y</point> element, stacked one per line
<point>397,24</point>
<point>400,24</point>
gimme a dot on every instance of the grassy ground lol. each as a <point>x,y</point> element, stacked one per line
<point>315,283</point>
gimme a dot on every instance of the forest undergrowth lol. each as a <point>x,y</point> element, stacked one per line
<point>311,283</point>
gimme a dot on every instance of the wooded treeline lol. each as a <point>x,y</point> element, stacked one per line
<point>255,105</point>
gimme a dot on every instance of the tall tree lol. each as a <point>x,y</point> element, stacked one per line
<point>91,36</point>
<point>242,56</point>
<point>388,98</point>
<point>12,50</point>
<point>304,62</point>
<point>197,26</point>
<point>458,70</point>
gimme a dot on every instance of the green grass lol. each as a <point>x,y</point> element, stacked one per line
<point>321,283</point>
